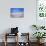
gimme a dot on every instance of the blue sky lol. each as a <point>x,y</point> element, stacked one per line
<point>12,10</point>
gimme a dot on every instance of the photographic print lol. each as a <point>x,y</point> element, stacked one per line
<point>17,12</point>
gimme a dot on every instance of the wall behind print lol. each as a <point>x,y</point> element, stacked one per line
<point>23,23</point>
